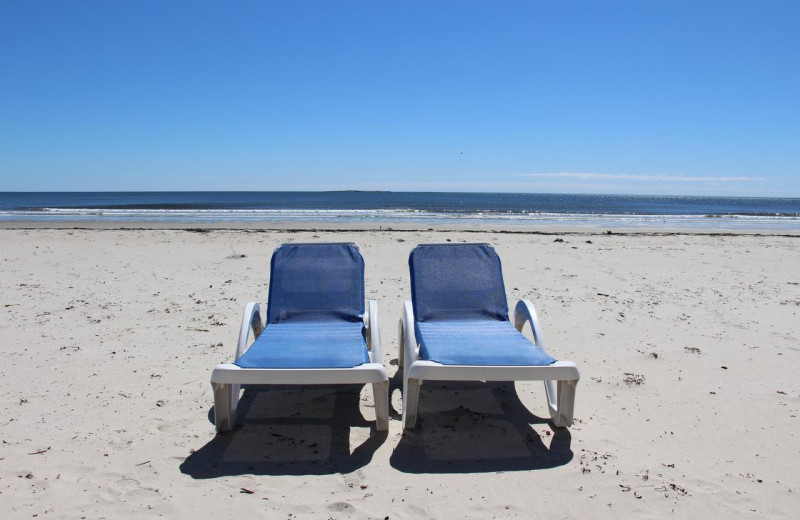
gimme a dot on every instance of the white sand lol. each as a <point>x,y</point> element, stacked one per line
<point>109,337</point>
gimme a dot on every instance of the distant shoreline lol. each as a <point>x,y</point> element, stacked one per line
<point>356,191</point>
<point>328,227</point>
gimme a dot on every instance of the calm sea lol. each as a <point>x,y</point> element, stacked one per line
<point>508,209</point>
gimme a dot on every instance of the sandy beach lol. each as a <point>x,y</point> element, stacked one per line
<point>688,347</point>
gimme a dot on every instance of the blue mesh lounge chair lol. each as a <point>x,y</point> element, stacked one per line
<point>456,328</point>
<point>317,331</point>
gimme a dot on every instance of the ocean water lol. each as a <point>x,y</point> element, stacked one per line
<point>386,208</point>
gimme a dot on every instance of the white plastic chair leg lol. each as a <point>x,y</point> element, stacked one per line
<point>224,407</point>
<point>380,394</point>
<point>410,402</point>
<point>401,345</point>
<point>561,401</point>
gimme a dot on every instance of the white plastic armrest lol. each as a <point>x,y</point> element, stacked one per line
<point>526,312</point>
<point>410,337</point>
<point>374,332</point>
<point>251,319</point>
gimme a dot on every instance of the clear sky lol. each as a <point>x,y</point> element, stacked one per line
<point>655,97</point>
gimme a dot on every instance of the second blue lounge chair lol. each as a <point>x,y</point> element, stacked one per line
<point>456,328</point>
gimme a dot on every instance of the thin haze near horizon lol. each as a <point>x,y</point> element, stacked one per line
<point>631,97</point>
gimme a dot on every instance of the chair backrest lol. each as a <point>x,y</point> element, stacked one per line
<point>457,281</point>
<point>316,282</point>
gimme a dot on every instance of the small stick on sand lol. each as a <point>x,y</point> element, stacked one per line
<point>39,452</point>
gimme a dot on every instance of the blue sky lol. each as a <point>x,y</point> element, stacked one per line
<point>673,97</point>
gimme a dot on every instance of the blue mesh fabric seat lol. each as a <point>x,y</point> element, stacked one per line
<point>306,344</point>
<point>477,342</point>
<point>315,310</point>
<point>460,309</point>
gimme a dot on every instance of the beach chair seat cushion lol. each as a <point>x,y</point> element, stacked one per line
<point>483,342</point>
<point>307,344</point>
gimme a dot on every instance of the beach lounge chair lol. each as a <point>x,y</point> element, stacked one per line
<point>316,331</point>
<point>456,328</point>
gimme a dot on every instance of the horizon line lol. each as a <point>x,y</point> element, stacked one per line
<point>607,194</point>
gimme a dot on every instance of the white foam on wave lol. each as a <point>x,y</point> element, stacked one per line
<point>388,216</point>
